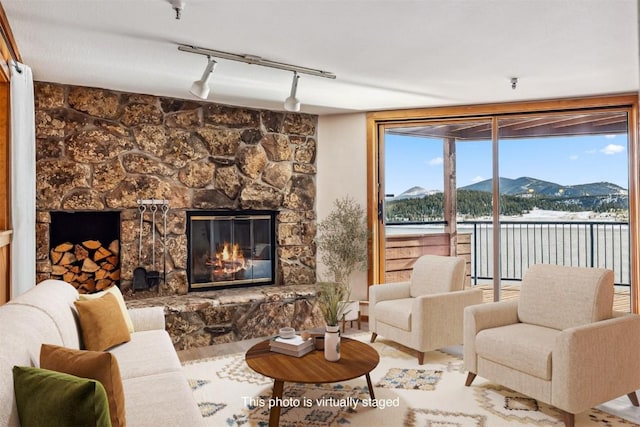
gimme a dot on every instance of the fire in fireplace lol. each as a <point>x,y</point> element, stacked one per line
<point>229,249</point>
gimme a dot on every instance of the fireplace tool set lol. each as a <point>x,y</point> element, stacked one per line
<point>142,278</point>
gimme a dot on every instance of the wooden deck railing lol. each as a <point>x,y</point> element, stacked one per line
<point>402,251</point>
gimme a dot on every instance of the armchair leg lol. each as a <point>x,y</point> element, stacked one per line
<point>569,419</point>
<point>420,357</point>
<point>633,397</point>
<point>373,336</point>
<point>470,377</point>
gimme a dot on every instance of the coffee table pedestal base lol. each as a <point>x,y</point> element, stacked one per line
<point>276,398</point>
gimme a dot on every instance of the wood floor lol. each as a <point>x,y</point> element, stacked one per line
<point>621,302</point>
<point>621,296</point>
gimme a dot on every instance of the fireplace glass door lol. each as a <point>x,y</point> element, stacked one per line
<point>230,250</point>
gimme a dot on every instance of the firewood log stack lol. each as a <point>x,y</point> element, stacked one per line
<point>89,266</point>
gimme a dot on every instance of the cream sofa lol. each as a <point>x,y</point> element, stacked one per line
<point>561,343</point>
<point>156,391</point>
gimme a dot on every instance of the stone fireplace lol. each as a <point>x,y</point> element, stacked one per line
<point>100,150</point>
<point>230,249</point>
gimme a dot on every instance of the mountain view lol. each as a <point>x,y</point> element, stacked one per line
<point>525,185</point>
<point>415,192</point>
<point>518,197</point>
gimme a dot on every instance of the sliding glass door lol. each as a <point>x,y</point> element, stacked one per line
<point>413,200</point>
<point>564,194</point>
<point>427,167</point>
<point>508,190</point>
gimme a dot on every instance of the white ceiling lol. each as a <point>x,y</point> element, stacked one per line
<point>387,54</point>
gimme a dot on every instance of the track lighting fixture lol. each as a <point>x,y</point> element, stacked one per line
<point>292,103</point>
<point>255,60</point>
<point>200,88</point>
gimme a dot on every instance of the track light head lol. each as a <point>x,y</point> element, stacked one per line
<point>200,88</point>
<point>292,103</point>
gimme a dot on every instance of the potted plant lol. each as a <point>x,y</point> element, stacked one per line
<point>342,243</point>
<point>331,299</point>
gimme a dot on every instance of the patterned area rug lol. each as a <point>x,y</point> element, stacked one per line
<point>230,394</point>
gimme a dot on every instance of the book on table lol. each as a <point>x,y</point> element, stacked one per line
<point>295,353</point>
<point>295,346</point>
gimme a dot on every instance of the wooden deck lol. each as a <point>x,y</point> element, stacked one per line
<point>621,297</point>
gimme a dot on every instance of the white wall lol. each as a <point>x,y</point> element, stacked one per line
<point>342,171</point>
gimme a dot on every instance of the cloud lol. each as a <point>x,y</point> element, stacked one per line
<point>477,179</point>
<point>609,136</point>
<point>573,157</point>
<point>612,149</point>
<point>592,151</point>
<point>435,161</point>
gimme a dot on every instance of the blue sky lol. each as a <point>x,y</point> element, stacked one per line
<point>412,161</point>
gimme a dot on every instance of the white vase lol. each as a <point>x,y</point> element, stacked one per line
<point>332,343</point>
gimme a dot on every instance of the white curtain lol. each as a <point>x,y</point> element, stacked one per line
<point>23,180</point>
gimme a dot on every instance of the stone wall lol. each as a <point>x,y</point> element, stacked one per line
<point>103,150</point>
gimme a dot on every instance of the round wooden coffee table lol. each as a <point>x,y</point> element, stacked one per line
<point>356,359</point>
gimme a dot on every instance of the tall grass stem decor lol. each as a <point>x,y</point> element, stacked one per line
<point>331,297</point>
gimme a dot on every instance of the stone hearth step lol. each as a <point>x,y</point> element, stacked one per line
<point>212,317</point>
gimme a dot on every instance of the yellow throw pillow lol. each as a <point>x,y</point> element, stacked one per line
<point>97,365</point>
<point>102,323</point>
<point>115,291</point>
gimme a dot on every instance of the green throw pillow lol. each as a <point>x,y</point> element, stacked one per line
<point>48,398</point>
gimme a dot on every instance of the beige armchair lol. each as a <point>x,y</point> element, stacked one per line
<point>427,312</point>
<point>561,343</point>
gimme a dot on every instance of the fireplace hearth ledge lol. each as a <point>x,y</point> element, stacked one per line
<point>214,317</point>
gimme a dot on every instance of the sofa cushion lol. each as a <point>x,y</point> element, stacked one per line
<point>102,323</point>
<point>55,298</point>
<point>563,297</point>
<point>148,353</point>
<point>527,348</point>
<point>434,274</point>
<point>116,292</point>
<point>161,400</point>
<point>22,330</point>
<point>98,365</point>
<point>395,312</point>
<point>49,398</point>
